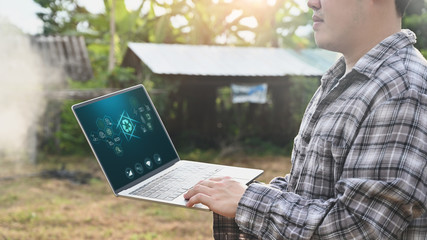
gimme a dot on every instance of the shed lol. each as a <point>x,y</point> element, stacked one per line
<point>69,55</point>
<point>66,52</point>
<point>201,70</point>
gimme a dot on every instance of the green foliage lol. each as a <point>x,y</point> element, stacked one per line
<point>61,16</point>
<point>98,55</point>
<point>203,155</point>
<point>301,90</point>
<point>94,83</point>
<point>121,77</point>
<point>416,7</point>
<point>416,20</point>
<point>191,22</point>
<point>178,21</point>
<point>418,24</point>
<point>70,137</point>
<point>259,147</point>
<point>249,123</point>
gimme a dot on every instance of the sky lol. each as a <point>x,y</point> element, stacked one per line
<point>22,13</point>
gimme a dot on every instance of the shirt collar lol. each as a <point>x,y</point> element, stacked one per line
<point>371,61</point>
<point>336,71</point>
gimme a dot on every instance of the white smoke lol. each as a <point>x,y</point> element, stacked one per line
<point>23,80</point>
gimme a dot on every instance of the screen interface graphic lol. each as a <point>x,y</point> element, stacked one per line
<point>126,135</point>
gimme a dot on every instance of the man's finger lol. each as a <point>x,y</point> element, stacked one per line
<point>199,188</point>
<point>199,198</point>
<point>218,179</point>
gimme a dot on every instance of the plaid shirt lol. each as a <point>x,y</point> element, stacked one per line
<point>359,163</point>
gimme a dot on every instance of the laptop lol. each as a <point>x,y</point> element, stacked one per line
<point>136,153</point>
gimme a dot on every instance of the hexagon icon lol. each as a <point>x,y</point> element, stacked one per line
<point>100,124</point>
<point>109,132</point>
<point>150,126</point>
<point>118,150</point>
<point>110,143</point>
<point>94,137</point>
<point>108,121</point>
<point>102,135</point>
<point>117,140</point>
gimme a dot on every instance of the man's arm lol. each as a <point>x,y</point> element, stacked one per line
<point>381,191</point>
<point>226,228</point>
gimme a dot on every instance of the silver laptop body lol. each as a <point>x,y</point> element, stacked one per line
<point>136,153</point>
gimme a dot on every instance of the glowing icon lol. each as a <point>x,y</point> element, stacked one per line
<point>101,134</point>
<point>148,163</point>
<point>100,124</point>
<point>118,150</point>
<point>108,121</point>
<point>138,168</point>
<point>109,131</point>
<point>109,143</point>
<point>127,125</point>
<point>142,119</point>
<point>150,126</point>
<point>107,134</point>
<point>129,173</point>
<point>117,139</point>
<point>148,116</point>
<point>94,137</point>
<point>144,129</point>
<point>157,159</point>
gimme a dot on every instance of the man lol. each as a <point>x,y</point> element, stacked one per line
<point>360,158</point>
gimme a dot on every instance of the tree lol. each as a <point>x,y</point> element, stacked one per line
<point>60,16</point>
<point>233,22</point>
<point>416,20</point>
<point>239,22</point>
<point>111,57</point>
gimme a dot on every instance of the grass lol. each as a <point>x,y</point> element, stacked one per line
<point>35,207</point>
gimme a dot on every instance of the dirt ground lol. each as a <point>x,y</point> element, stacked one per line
<point>36,206</point>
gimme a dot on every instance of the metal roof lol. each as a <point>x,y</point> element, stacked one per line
<point>232,61</point>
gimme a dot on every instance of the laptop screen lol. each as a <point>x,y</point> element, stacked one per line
<point>126,135</point>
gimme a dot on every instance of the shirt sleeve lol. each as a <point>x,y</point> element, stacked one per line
<point>226,228</point>
<point>382,188</point>
<point>280,183</point>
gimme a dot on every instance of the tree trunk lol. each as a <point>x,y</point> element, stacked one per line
<point>111,57</point>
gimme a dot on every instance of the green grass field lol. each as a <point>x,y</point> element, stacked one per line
<point>36,207</point>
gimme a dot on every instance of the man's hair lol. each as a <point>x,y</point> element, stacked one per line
<point>401,6</point>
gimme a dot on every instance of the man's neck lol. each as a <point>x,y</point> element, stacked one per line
<point>369,41</point>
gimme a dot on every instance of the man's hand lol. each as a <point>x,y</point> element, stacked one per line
<point>221,195</point>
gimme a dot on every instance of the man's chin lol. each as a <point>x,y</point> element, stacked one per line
<point>324,42</point>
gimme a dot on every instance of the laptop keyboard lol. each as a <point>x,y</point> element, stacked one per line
<point>177,181</point>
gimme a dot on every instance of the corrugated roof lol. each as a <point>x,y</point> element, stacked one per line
<point>232,61</point>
